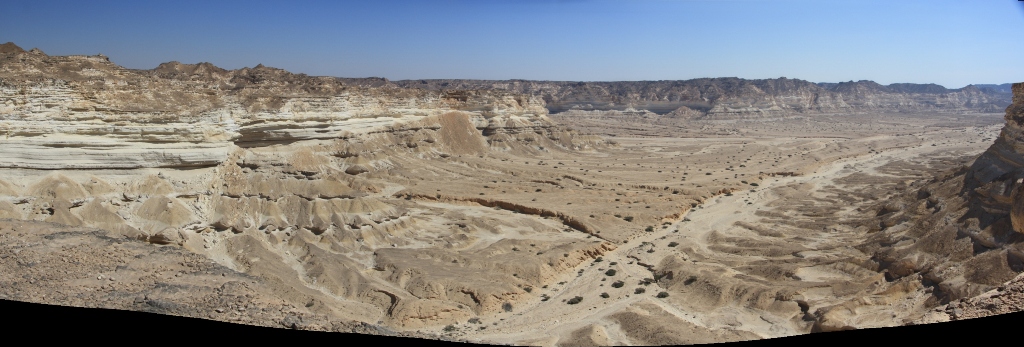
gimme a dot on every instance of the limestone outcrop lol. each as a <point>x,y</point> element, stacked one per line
<point>84,112</point>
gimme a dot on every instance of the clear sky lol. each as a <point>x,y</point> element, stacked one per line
<point>948,42</point>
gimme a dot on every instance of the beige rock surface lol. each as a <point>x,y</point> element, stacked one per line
<point>475,215</point>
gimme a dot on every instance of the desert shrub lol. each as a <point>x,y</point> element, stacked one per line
<point>640,290</point>
<point>673,244</point>
<point>449,328</point>
<point>610,272</point>
<point>618,284</point>
<point>628,218</point>
<point>574,300</point>
<point>507,307</point>
<point>663,295</point>
<point>605,295</point>
<point>649,228</point>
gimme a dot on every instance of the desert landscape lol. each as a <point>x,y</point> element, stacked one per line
<point>508,212</point>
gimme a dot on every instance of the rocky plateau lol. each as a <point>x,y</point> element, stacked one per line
<point>508,212</point>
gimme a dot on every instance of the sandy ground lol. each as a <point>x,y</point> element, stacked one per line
<point>549,321</point>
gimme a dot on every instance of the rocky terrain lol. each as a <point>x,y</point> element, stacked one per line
<point>732,98</point>
<point>468,212</point>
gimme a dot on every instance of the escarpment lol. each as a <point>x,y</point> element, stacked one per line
<point>80,112</point>
<point>735,98</point>
<point>958,235</point>
<point>285,177</point>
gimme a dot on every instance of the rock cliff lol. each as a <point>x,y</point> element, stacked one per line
<point>725,98</point>
<point>280,176</point>
<point>959,235</point>
<point>86,112</point>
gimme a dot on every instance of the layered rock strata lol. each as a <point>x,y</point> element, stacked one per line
<point>280,176</point>
<point>959,235</point>
<point>85,112</point>
<point>731,98</point>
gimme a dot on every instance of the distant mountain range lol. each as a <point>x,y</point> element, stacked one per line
<point>1002,88</point>
<point>713,98</point>
<point>731,97</point>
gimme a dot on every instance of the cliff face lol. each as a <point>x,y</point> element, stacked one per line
<point>86,112</point>
<point>285,177</point>
<point>740,98</point>
<point>960,234</point>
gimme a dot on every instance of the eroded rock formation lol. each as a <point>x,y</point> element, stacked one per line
<point>277,175</point>
<point>731,98</point>
<point>960,234</point>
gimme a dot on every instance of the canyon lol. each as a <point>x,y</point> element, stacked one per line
<point>508,212</point>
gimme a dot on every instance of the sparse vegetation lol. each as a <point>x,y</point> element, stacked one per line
<point>605,295</point>
<point>610,272</point>
<point>574,300</point>
<point>639,290</point>
<point>618,284</point>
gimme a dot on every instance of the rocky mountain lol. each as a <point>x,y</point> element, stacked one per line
<point>724,98</point>
<point>86,112</point>
<point>1002,88</point>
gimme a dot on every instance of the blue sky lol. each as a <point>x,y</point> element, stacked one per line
<point>952,43</point>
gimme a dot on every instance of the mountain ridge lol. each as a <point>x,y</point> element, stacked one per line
<point>712,98</point>
<point>732,97</point>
